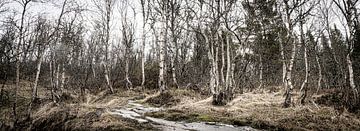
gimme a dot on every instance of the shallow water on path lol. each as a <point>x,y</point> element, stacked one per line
<point>136,112</point>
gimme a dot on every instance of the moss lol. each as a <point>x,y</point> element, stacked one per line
<point>206,118</point>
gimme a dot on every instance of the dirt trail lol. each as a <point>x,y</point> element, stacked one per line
<point>137,112</point>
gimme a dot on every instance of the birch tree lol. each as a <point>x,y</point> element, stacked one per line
<point>348,10</point>
<point>105,9</point>
<point>145,9</point>
<point>128,38</point>
<point>24,4</point>
<point>291,16</point>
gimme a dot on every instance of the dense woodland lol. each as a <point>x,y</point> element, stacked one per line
<point>220,48</point>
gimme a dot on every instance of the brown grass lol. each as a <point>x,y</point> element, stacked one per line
<point>264,110</point>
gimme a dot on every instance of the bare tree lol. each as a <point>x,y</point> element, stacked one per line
<point>292,15</point>
<point>24,4</point>
<point>105,9</point>
<point>145,9</point>
<point>128,38</point>
<point>348,9</point>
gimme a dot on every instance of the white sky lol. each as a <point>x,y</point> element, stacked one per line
<point>52,11</point>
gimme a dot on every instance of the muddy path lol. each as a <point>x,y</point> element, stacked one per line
<point>136,111</point>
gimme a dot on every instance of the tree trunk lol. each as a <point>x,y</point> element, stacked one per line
<point>143,57</point>
<point>222,76</point>
<point>289,85</point>
<point>107,78</point>
<point>173,71</point>
<point>229,73</point>
<point>282,53</point>
<point>18,56</point>
<point>128,82</point>
<point>351,75</point>
<point>304,85</point>
<point>319,73</point>
<point>34,95</point>
<point>162,42</point>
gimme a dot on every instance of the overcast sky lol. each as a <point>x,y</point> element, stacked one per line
<point>52,11</point>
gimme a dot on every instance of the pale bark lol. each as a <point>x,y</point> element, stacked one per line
<point>173,71</point>
<point>213,65</point>
<point>229,71</point>
<point>283,61</point>
<point>217,74</point>
<point>107,78</point>
<point>289,85</point>
<point>143,57</point>
<point>222,76</point>
<point>304,85</point>
<point>38,69</point>
<point>351,75</point>
<point>229,68</point>
<point>319,73</point>
<point>108,11</point>
<point>143,42</point>
<point>161,66</point>
<point>349,12</point>
<point>162,42</point>
<point>127,78</point>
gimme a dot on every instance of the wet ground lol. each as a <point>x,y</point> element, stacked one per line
<point>136,111</point>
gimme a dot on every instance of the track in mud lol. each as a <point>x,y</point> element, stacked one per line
<point>136,112</point>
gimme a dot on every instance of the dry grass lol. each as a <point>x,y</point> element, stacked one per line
<point>73,114</point>
<point>264,110</point>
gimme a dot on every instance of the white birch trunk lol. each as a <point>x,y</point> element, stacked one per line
<point>217,78</point>
<point>351,75</point>
<point>228,84</point>
<point>162,42</point>
<point>283,63</point>
<point>173,69</point>
<point>38,69</point>
<point>289,85</point>
<point>222,76</point>
<point>127,78</point>
<point>107,78</point>
<point>319,73</point>
<point>212,82</point>
<point>304,85</point>
<point>143,57</point>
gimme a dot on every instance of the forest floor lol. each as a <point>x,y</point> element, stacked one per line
<point>71,113</point>
<point>262,110</point>
<point>258,109</point>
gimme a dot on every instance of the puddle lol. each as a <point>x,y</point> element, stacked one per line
<point>136,112</point>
